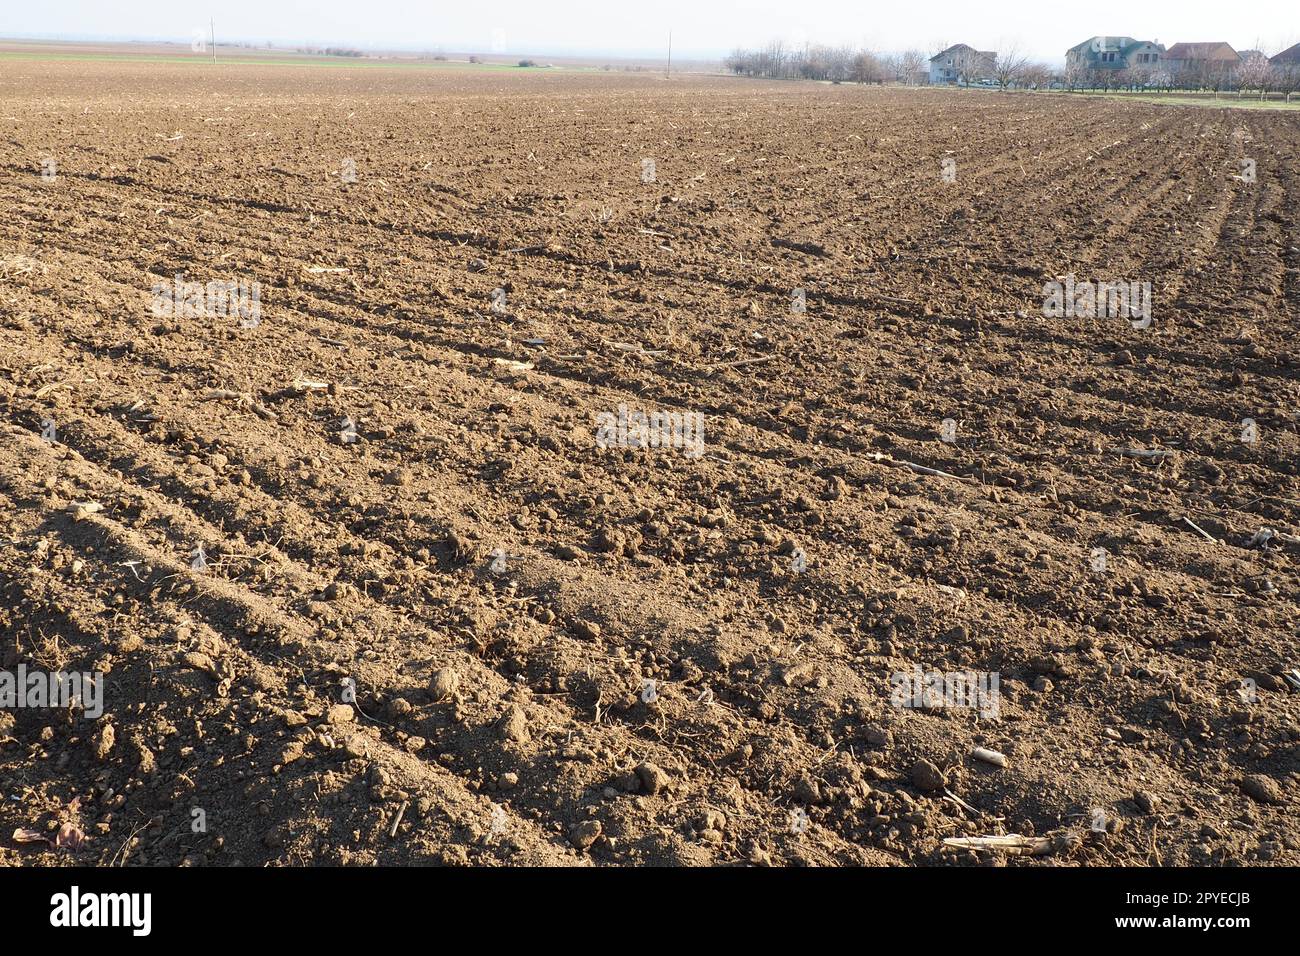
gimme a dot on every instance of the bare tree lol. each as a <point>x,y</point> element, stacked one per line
<point>1286,79</point>
<point>1143,75</point>
<point>1099,79</point>
<point>842,59</point>
<point>812,62</point>
<point>1075,76</point>
<point>1009,67</point>
<point>1221,76</point>
<point>1253,73</point>
<point>740,61</point>
<point>969,66</point>
<point>893,66</point>
<point>1037,75</point>
<point>911,65</point>
<point>772,61</point>
<point>866,67</point>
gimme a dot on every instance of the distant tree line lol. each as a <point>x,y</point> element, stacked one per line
<point>842,64</point>
<point>328,51</point>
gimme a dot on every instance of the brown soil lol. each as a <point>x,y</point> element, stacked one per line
<point>500,713</point>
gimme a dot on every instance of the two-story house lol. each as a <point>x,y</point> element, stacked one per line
<point>962,64</point>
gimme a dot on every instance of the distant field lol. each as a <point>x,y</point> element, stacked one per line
<point>251,56</point>
<point>272,60</point>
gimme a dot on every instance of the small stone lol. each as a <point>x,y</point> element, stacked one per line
<point>292,751</point>
<point>610,541</point>
<point>797,675</point>
<point>585,834</point>
<point>877,736</point>
<point>81,510</point>
<point>653,778</point>
<point>104,741</point>
<point>444,684</point>
<point>148,763</point>
<point>199,662</point>
<point>1262,788</point>
<point>340,714</point>
<point>926,776</point>
<point>514,725</point>
<point>1146,801</point>
<point>807,790</point>
<point>337,590</point>
<point>712,820</point>
<point>587,629</point>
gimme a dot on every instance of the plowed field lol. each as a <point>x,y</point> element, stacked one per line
<point>564,653</point>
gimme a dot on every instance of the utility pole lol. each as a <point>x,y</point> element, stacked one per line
<point>669,71</point>
<point>212,29</point>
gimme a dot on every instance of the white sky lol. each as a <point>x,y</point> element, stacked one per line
<point>701,28</point>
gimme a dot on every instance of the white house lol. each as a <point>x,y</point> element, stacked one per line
<point>961,64</point>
